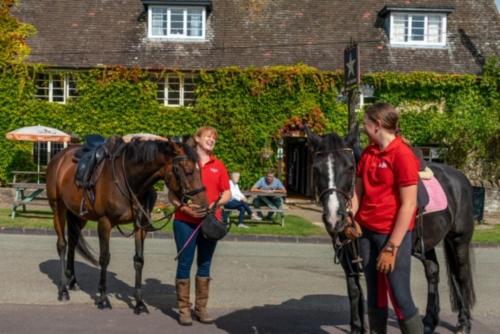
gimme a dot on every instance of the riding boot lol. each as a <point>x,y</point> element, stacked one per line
<point>200,305</point>
<point>413,325</point>
<point>378,320</point>
<point>182,287</point>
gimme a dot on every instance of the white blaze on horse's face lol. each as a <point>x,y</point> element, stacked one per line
<point>332,202</point>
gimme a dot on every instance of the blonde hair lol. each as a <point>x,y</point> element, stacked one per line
<point>204,129</point>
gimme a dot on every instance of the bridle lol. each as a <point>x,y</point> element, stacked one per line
<point>347,195</point>
<point>352,252</point>
<point>186,195</point>
<point>132,197</point>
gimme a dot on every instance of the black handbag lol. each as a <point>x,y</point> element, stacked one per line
<point>212,228</point>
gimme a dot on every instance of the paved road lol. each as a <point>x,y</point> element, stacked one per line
<point>258,287</point>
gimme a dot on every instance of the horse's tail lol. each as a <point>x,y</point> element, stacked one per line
<point>75,234</point>
<point>458,265</point>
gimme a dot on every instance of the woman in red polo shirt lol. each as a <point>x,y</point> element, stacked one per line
<point>216,181</point>
<point>385,206</point>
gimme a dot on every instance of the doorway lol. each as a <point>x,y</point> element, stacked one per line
<point>298,167</point>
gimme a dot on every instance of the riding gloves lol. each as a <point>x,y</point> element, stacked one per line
<point>386,260</point>
<point>352,230</point>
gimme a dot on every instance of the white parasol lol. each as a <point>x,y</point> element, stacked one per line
<point>143,136</point>
<point>39,134</point>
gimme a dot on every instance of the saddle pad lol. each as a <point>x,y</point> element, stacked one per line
<point>437,197</point>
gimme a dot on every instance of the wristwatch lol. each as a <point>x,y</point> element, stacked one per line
<point>390,248</point>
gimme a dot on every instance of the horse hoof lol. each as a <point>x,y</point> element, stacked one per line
<point>140,308</point>
<point>103,304</point>
<point>74,286</point>
<point>63,295</point>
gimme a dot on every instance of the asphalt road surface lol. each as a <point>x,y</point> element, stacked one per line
<point>257,287</point>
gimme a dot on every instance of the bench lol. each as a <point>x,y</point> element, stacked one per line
<point>27,192</point>
<point>264,209</point>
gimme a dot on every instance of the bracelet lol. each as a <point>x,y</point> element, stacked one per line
<point>390,248</point>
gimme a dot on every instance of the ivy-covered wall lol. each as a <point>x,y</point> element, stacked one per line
<point>250,106</point>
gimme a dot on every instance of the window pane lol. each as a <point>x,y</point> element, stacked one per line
<point>160,91</point>
<point>189,90</point>
<point>57,88</point>
<point>195,22</point>
<point>72,91</point>
<point>417,28</point>
<point>177,21</point>
<point>173,90</point>
<point>42,86</point>
<point>400,33</point>
<point>55,148</point>
<point>159,21</point>
<point>43,153</point>
<point>434,30</point>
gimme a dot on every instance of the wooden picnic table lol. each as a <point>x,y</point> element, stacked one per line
<point>26,191</point>
<point>269,206</point>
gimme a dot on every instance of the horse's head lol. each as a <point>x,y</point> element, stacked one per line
<point>183,176</point>
<point>334,166</point>
<point>175,163</point>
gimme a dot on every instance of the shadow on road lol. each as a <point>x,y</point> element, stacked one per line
<point>306,315</point>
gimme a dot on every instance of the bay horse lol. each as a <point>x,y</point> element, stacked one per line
<point>334,176</point>
<point>123,193</point>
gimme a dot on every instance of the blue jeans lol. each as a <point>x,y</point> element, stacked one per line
<point>241,206</point>
<point>206,248</point>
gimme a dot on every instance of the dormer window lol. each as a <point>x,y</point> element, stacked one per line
<point>176,22</point>
<point>420,27</point>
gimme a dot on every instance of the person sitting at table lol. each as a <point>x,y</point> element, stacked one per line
<point>239,201</point>
<point>268,184</point>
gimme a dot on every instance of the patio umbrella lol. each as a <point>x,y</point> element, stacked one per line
<point>142,136</point>
<point>39,134</point>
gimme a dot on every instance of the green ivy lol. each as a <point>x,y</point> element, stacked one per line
<point>250,106</point>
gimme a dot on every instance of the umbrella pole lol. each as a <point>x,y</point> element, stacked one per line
<point>38,165</point>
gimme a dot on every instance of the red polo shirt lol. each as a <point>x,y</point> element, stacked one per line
<point>216,180</point>
<point>383,174</point>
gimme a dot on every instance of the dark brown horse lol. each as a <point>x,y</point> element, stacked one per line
<point>334,171</point>
<point>123,193</point>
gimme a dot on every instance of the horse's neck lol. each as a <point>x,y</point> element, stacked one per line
<point>142,176</point>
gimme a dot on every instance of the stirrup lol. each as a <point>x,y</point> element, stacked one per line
<point>83,208</point>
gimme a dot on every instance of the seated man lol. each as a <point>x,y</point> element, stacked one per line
<point>268,184</point>
<point>239,201</point>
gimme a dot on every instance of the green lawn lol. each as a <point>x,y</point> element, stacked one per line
<point>294,226</point>
<point>487,234</point>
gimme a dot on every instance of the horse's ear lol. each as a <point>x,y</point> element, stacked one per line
<point>189,141</point>
<point>352,141</point>
<point>352,138</point>
<point>312,138</point>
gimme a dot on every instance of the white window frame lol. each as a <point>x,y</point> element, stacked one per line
<point>66,89</point>
<point>425,42</point>
<point>181,90</point>
<point>47,153</point>
<point>177,36</point>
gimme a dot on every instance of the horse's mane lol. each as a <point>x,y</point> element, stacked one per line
<point>146,151</point>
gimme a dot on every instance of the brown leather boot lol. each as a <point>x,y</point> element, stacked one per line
<point>182,289</point>
<point>200,305</point>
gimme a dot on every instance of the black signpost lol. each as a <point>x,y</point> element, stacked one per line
<point>352,79</point>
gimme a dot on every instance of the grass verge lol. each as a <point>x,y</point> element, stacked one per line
<point>294,225</point>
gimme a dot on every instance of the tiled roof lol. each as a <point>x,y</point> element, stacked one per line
<point>83,34</point>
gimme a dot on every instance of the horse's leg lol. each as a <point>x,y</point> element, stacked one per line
<point>59,226</point>
<point>462,288</point>
<point>431,267</point>
<point>75,224</point>
<point>104,231</point>
<point>140,235</point>
<point>355,294</point>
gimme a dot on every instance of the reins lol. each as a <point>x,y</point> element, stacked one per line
<point>136,205</point>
